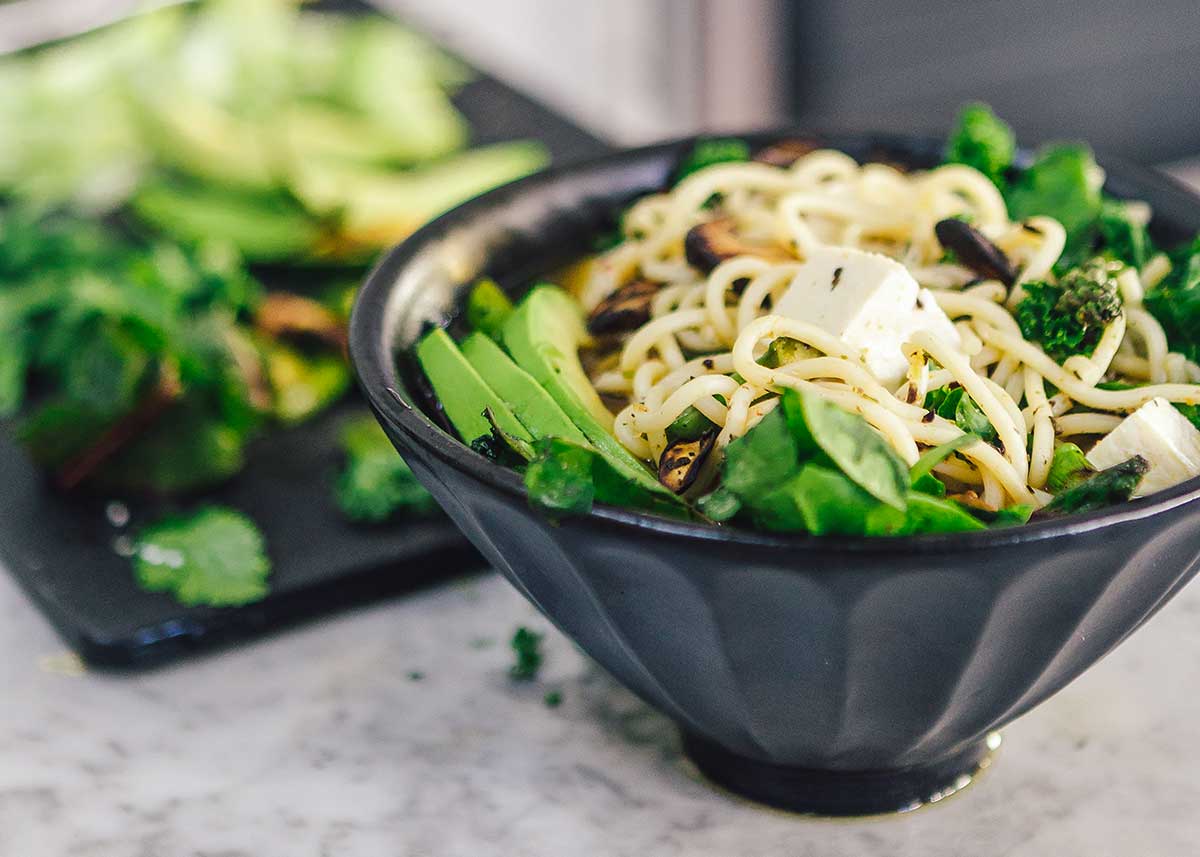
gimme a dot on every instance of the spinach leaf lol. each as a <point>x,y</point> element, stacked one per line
<point>850,443</point>
<point>953,403</point>
<point>762,458</point>
<point>829,502</point>
<point>933,457</point>
<point>980,140</point>
<point>926,514</point>
<point>719,505</point>
<point>1115,484</point>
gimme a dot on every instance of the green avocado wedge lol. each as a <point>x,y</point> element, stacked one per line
<point>533,406</point>
<point>463,393</point>
<point>543,336</point>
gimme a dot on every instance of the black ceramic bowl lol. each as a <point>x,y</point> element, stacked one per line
<point>828,675</point>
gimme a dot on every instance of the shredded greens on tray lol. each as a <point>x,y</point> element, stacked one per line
<point>955,349</point>
<point>187,199</point>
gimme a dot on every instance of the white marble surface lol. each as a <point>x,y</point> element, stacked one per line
<point>317,742</point>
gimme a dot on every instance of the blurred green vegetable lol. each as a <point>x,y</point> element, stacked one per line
<point>375,483</point>
<point>980,140</point>
<point>1063,182</point>
<point>214,557</point>
<point>1069,318</point>
<point>706,153</point>
<point>487,307</point>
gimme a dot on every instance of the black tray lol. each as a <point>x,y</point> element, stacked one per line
<point>62,552</point>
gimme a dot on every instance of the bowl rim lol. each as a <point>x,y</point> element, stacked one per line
<point>371,353</point>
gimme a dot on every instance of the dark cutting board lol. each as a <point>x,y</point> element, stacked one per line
<point>65,552</point>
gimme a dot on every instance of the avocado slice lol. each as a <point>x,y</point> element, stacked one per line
<point>463,393</point>
<point>532,405</point>
<point>543,335</point>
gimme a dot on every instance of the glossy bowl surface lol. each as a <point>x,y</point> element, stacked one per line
<point>833,675</point>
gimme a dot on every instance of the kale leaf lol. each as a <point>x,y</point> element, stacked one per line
<point>980,140</point>
<point>1123,237</point>
<point>375,483</point>
<point>1069,318</point>
<point>1064,183</point>
<point>1175,302</point>
<point>214,557</point>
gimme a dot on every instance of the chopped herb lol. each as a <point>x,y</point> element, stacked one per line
<point>416,675</point>
<point>951,402</point>
<point>214,557</point>
<point>375,483</point>
<point>527,652</point>
<point>553,698</point>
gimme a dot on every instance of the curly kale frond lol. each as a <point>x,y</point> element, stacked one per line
<point>1069,317</point>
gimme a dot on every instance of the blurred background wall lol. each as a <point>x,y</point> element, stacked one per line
<point>1124,75</point>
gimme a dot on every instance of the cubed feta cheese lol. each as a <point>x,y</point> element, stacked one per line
<point>869,301</point>
<point>1161,435</point>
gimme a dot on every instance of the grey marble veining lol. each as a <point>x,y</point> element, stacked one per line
<point>320,742</point>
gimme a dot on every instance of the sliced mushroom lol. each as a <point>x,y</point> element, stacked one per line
<point>709,244</point>
<point>974,250</point>
<point>285,315</point>
<point>625,309</point>
<point>680,462</point>
<point>784,153</point>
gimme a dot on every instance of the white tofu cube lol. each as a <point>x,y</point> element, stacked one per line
<point>1161,435</point>
<point>869,301</point>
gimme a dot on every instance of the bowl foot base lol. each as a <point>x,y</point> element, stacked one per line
<point>839,793</point>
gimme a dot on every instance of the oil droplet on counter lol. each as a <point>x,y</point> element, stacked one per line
<point>117,513</point>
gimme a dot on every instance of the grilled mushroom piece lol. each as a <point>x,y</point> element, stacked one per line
<point>709,244</point>
<point>974,250</point>
<point>784,153</point>
<point>625,309</point>
<point>681,461</point>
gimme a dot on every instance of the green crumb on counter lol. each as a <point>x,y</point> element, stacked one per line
<point>553,698</point>
<point>527,649</point>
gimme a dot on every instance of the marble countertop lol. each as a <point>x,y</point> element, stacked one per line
<point>395,730</point>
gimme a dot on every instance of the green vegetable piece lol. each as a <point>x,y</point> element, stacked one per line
<point>1012,516</point>
<point>1192,412</point>
<point>926,514</point>
<point>831,503</point>
<point>933,457</point>
<point>527,653</point>
<point>488,307</point>
<point>1124,238</point>
<point>552,699</point>
<point>188,448</point>
<point>1064,183</point>
<point>689,425</point>
<point>953,403</point>
<point>850,443</point>
<point>529,402</point>
<point>1115,484</point>
<point>214,557</point>
<point>784,350</point>
<point>719,505</point>
<point>304,384</point>
<point>266,227</point>
<point>706,153</point>
<point>929,484</point>
<point>106,370</point>
<point>762,458</point>
<point>1068,468</point>
<point>543,335</point>
<point>375,484</point>
<point>1175,302</point>
<point>980,140</point>
<point>463,393</point>
<point>1069,318</point>
<point>564,479</point>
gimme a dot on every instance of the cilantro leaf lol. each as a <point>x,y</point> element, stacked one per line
<point>980,140</point>
<point>375,483</point>
<point>214,557</point>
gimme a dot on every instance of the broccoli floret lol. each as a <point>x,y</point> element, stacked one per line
<point>1069,318</point>
<point>982,141</point>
